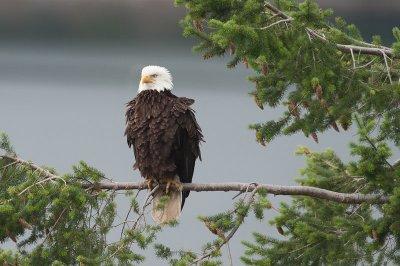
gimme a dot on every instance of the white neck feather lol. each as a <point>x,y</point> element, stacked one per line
<point>158,86</point>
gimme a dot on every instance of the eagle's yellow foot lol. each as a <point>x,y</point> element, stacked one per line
<point>150,183</point>
<point>173,182</point>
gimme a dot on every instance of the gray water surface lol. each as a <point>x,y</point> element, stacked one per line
<point>64,104</point>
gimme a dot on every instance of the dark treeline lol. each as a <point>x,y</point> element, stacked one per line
<point>119,20</point>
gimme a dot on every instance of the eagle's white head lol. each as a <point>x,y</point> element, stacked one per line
<point>155,78</point>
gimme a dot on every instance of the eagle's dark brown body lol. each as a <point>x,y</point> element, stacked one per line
<point>164,134</point>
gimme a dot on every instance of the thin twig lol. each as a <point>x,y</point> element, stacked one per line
<point>372,143</point>
<point>127,215</point>
<point>123,244</point>
<point>40,182</point>
<point>352,57</point>
<point>276,23</point>
<point>229,254</point>
<point>8,165</point>
<point>33,166</point>
<point>146,203</point>
<point>232,232</point>
<point>396,163</point>
<point>367,64</point>
<point>55,224</point>
<point>387,67</point>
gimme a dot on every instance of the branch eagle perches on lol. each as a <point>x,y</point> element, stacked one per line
<point>314,192</point>
<point>349,198</point>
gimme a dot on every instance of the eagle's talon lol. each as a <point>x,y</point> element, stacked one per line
<point>178,185</point>
<point>173,183</point>
<point>150,183</point>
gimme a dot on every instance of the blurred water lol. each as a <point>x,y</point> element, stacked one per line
<point>62,104</point>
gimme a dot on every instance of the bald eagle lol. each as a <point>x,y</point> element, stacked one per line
<point>165,137</point>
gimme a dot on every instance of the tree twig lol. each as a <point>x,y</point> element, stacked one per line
<point>127,215</point>
<point>234,229</point>
<point>276,23</point>
<point>387,67</point>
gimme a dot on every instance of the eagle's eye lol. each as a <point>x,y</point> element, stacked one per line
<point>154,75</point>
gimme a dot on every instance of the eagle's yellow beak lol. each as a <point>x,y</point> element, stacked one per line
<point>147,79</point>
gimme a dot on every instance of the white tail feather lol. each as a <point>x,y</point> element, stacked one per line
<point>165,211</point>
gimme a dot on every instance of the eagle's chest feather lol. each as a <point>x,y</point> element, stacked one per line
<point>163,132</point>
<point>152,129</point>
<point>155,120</point>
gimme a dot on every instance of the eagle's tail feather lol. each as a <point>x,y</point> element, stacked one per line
<point>166,207</point>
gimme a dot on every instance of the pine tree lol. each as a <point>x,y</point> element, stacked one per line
<point>328,77</point>
<point>325,75</point>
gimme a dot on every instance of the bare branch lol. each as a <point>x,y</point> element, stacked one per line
<point>276,23</point>
<point>387,67</point>
<point>352,56</point>
<point>348,198</point>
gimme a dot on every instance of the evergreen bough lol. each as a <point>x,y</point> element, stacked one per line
<point>325,76</point>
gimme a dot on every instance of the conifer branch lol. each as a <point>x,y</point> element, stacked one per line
<point>16,160</point>
<point>370,49</point>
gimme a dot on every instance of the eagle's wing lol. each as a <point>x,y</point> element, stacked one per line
<point>187,140</point>
<point>130,117</point>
